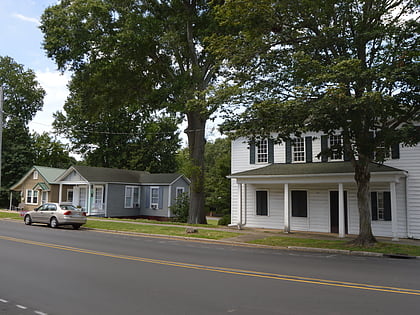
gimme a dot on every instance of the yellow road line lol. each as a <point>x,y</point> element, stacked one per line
<point>248,273</point>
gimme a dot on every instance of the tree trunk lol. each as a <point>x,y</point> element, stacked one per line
<point>196,142</point>
<point>362,177</point>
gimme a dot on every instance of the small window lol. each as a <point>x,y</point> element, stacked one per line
<point>154,197</point>
<point>262,202</point>
<point>35,175</point>
<point>70,195</point>
<point>299,203</point>
<point>32,197</point>
<point>179,191</point>
<point>299,150</point>
<point>336,143</point>
<point>262,151</point>
<point>381,206</point>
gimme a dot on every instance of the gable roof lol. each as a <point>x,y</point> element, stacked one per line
<point>329,168</point>
<point>48,173</point>
<point>161,178</point>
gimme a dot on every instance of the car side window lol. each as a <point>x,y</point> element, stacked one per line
<point>43,207</point>
<point>52,207</point>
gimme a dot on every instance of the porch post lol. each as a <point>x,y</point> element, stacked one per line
<point>240,205</point>
<point>60,193</point>
<point>341,219</point>
<point>286,209</point>
<point>394,218</point>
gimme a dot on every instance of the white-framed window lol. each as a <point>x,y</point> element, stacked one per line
<point>31,197</point>
<point>262,151</point>
<point>132,197</point>
<point>70,195</point>
<point>179,191</point>
<point>299,150</point>
<point>154,197</point>
<point>35,175</point>
<point>336,141</point>
<point>381,205</point>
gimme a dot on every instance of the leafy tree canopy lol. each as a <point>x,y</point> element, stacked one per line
<point>346,66</point>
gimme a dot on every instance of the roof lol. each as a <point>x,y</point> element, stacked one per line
<point>115,175</point>
<point>311,169</point>
<point>42,186</point>
<point>48,173</point>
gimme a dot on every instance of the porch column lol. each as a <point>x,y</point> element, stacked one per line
<point>286,209</point>
<point>240,204</point>
<point>60,193</point>
<point>394,218</point>
<point>341,219</point>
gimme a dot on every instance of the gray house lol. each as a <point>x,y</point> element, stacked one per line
<point>113,192</point>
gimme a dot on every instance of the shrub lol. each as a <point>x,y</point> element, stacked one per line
<point>225,220</point>
<point>180,208</point>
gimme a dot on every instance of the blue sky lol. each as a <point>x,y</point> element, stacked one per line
<point>20,39</point>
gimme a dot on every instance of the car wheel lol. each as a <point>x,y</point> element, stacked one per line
<point>76,226</point>
<point>28,220</point>
<point>54,222</point>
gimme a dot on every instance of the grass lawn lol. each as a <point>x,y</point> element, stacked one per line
<point>155,229</point>
<point>382,247</point>
<point>10,215</point>
<point>210,223</point>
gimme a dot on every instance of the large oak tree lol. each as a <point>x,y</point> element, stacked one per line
<point>333,66</point>
<point>146,53</point>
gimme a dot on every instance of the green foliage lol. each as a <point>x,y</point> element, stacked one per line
<point>51,152</point>
<point>225,220</point>
<point>180,208</point>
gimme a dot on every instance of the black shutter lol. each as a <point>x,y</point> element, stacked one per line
<point>252,153</point>
<point>288,151</point>
<point>270,151</point>
<point>324,148</point>
<point>374,205</point>
<point>395,151</point>
<point>308,149</point>
<point>387,206</point>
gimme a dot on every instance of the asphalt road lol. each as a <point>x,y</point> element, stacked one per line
<point>62,271</point>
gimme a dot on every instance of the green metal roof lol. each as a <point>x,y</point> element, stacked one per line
<point>311,169</point>
<point>49,173</point>
<point>42,186</point>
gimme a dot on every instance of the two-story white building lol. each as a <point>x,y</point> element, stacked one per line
<point>287,186</point>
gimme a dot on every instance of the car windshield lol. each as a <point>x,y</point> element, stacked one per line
<point>69,207</point>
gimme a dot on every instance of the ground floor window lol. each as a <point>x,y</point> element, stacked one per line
<point>132,197</point>
<point>154,197</point>
<point>31,196</point>
<point>262,202</point>
<point>299,203</point>
<point>380,205</point>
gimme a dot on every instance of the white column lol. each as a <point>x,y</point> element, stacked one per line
<point>60,193</point>
<point>394,218</point>
<point>341,218</point>
<point>286,209</point>
<point>240,204</point>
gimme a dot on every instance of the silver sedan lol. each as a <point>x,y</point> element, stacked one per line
<point>55,214</point>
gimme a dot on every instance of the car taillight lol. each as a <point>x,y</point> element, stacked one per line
<point>67,213</point>
<point>84,214</point>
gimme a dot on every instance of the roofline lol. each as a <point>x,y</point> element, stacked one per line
<point>404,173</point>
<point>24,177</point>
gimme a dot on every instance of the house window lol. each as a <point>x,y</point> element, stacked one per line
<point>336,143</point>
<point>262,151</point>
<point>154,197</point>
<point>299,150</point>
<point>132,197</point>
<point>44,197</point>
<point>262,202</point>
<point>179,192</point>
<point>381,206</point>
<point>70,195</point>
<point>35,176</point>
<point>32,197</point>
<point>299,203</point>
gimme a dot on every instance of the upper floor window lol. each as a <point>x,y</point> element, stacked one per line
<point>299,150</point>
<point>336,143</point>
<point>262,151</point>
<point>35,175</point>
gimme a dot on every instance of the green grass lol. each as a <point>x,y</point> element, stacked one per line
<point>210,224</point>
<point>382,247</point>
<point>10,215</point>
<point>155,229</point>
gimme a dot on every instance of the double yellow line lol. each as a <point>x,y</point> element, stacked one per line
<point>246,273</point>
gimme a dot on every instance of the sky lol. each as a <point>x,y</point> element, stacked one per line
<point>21,40</point>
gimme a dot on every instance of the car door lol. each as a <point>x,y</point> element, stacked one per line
<point>49,212</point>
<point>36,215</point>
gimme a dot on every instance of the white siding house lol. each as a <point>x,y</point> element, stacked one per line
<point>287,186</point>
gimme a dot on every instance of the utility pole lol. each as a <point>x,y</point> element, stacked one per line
<point>1,126</point>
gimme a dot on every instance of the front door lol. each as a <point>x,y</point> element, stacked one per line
<point>334,211</point>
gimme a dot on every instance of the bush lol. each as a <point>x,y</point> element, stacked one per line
<point>180,208</point>
<point>225,220</point>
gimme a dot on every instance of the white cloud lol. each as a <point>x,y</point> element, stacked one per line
<point>26,18</point>
<point>55,85</point>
